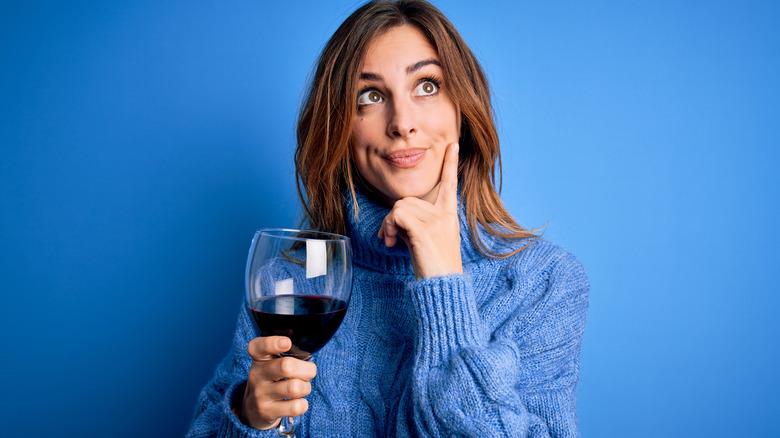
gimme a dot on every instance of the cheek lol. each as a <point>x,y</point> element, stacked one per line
<point>360,151</point>
<point>363,133</point>
<point>367,135</point>
<point>359,145</point>
<point>445,122</point>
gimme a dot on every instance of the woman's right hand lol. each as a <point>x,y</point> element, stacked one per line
<point>275,385</point>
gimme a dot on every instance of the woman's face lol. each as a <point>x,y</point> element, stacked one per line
<point>405,118</point>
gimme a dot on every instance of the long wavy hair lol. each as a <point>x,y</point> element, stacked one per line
<point>323,162</point>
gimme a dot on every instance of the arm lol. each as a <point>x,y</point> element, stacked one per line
<point>253,385</point>
<point>220,402</point>
<point>519,381</point>
<point>214,415</point>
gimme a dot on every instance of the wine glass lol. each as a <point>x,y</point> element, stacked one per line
<point>298,284</point>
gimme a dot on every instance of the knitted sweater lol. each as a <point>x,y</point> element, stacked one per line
<point>491,352</point>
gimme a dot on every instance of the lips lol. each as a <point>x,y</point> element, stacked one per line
<point>405,158</point>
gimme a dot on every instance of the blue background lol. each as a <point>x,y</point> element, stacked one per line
<point>144,142</point>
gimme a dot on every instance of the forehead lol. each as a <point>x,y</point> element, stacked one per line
<point>400,46</point>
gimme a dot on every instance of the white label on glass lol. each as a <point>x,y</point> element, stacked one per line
<point>283,287</point>
<point>316,258</point>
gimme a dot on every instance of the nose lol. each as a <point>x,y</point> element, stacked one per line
<point>402,120</point>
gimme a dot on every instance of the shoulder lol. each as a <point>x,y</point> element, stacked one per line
<point>543,270</point>
<point>547,287</point>
<point>538,257</point>
<point>542,256</point>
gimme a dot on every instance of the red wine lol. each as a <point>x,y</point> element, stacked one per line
<point>309,321</point>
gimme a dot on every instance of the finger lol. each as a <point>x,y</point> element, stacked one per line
<point>389,231</point>
<point>262,412</point>
<point>288,389</point>
<point>395,224</point>
<point>418,207</point>
<point>286,408</point>
<point>448,186</point>
<point>404,219</point>
<point>288,368</point>
<point>268,347</point>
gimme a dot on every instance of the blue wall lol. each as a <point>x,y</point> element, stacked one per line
<point>142,143</point>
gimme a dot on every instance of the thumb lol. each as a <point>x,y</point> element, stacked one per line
<point>448,186</point>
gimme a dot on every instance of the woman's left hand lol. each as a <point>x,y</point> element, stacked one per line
<point>430,231</point>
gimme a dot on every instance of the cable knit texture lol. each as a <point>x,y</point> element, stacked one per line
<point>492,352</point>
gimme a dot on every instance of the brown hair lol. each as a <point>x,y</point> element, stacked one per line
<point>323,162</point>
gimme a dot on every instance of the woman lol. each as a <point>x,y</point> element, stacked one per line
<point>470,325</point>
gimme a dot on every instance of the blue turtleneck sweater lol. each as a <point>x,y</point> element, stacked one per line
<point>491,352</point>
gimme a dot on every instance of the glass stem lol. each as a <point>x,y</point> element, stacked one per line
<point>286,427</point>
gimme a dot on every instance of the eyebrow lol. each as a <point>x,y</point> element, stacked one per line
<point>411,69</point>
<point>421,64</point>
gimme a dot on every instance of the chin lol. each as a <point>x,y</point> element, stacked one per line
<point>389,194</point>
<point>412,192</point>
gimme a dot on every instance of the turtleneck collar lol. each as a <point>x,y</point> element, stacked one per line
<point>369,251</point>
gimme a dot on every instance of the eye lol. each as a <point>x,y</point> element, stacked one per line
<point>370,97</point>
<point>427,87</point>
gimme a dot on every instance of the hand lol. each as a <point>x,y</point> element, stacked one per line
<point>272,380</point>
<point>430,231</point>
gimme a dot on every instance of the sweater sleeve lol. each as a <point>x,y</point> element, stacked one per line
<point>517,379</point>
<point>214,417</point>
